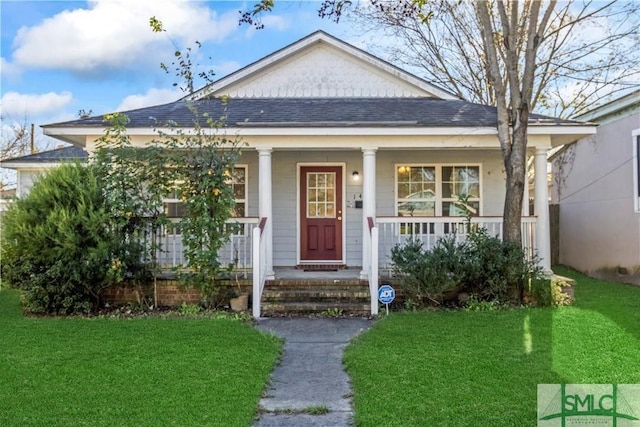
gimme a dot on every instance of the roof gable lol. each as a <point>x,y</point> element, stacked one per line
<point>320,65</point>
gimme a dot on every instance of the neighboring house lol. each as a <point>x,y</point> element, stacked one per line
<point>6,196</point>
<point>343,147</point>
<point>597,186</point>
<point>29,167</point>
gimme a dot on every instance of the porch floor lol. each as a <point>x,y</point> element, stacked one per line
<point>292,273</point>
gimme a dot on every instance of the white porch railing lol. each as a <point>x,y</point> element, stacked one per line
<point>259,251</point>
<point>236,251</point>
<point>373,266</point>
<point>397,230</point>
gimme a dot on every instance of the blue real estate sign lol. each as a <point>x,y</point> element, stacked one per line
<point>386,294</point>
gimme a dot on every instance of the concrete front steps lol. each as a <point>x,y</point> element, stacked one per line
<point>331,297</point>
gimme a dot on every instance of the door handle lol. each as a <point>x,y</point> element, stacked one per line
<point>339,218</point>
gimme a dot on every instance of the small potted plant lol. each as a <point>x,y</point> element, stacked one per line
<point>241,301</point>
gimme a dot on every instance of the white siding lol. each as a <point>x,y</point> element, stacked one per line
<point>599,228</point>
<point>26,178</point>
<point>284,164</point>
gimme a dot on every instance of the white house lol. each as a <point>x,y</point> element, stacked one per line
<point>597,185</point>
<point>345,150</point>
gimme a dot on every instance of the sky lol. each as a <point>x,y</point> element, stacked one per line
<point>60,57</point>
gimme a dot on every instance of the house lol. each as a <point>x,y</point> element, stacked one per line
<point>597,187</point>
<point>30,166</point>
<point>348,155</point>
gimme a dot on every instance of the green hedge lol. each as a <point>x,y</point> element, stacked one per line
<point>58,246</point>
<point>482,267</point>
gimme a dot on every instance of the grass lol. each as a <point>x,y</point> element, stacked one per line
<point>482,368</point>
<point>115,372</point>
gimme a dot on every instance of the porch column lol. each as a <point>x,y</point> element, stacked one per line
<point>368,205</point>
<point>265,204</point>
<point>541,206</point>
<point>525,200</point>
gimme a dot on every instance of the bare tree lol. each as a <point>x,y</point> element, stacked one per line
<point>515,55</point>
<point>518,56</point>
<point>588,52</point>
<point>15,141</point>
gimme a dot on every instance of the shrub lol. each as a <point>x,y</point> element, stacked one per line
<point>548,292</point>
<point>483,266</point>
<point>57,245</point>
<point>426,275</point>
<point>496,270</point>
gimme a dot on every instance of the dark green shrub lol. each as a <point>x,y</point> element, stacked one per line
<point>484,267</point>
<point>494,269</point>
<point>58,246</point>
<point>426,274</point>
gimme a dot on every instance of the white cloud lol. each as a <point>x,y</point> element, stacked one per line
<point>152,97</point>
<point>113,34</point>
<point>8,70</point>
<point>276,22</point>
<point>30,105</point>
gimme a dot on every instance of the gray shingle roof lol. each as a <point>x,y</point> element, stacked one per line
<point>321,112</point>
<point>57,155</point>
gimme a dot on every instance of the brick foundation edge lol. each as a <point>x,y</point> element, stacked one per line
<point>170,293</point>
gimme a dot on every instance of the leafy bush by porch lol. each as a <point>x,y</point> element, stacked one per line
<point>59,246</point>
<point>482,266</point>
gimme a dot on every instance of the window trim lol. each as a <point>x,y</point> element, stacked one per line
<point>439,200</point>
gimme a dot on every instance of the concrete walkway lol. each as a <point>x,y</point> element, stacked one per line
<point>310,373</point>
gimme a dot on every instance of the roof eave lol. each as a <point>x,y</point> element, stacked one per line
<point>560,133</point>
<point>34,165</point>
<point>610,108</point>
<point>71,135</point>
<point>563,134</point>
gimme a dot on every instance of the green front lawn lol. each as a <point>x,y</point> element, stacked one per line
<point>117,372</point>
<point>482,368</point>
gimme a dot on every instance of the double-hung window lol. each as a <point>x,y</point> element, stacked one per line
<point>174,206</point>
<point>438,190</point>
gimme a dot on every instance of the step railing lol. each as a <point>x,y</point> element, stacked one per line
<point>259,255</point>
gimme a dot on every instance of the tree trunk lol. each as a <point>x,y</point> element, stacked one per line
<point>515,166</point>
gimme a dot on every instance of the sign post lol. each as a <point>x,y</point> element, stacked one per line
<point>386,295</point>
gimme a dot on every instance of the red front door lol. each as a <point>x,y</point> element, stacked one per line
<point>321,213</point>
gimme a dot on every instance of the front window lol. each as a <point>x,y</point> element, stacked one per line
<point>174,208</point>
<point>416,190</point>
<point>460,190</point>
<point>239,183</point>
<point>445,190</point>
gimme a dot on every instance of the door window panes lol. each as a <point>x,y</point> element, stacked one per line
<point>321,194</point>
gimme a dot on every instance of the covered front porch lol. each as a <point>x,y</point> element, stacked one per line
<point>370,220</point>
